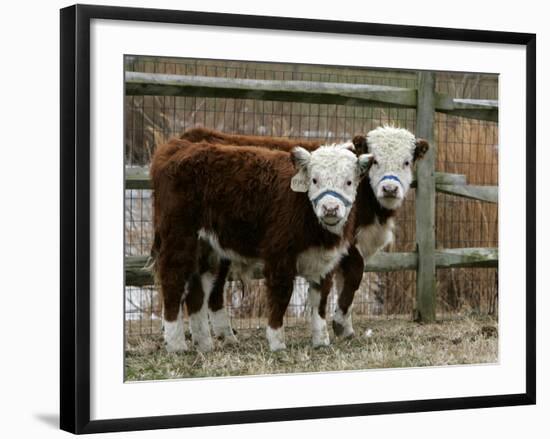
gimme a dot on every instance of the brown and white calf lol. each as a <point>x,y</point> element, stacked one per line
<point>291,212</point>
<point>394,150</point>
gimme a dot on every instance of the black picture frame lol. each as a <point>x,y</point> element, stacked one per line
<point>75,217</point>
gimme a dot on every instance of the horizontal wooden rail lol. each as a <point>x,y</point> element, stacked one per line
<point>137,272</point>
<point>446,178</point>
<point>476,257</point>
<point>481,109</point>
<point>138,275</point>
<point>157,84</point>
<point>392,261</point>
<point>138,178</point>
<point>481,193</point>
<point>453,184</point>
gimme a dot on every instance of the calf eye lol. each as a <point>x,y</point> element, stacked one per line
<point>407,163</point>
<point>314,181</point>
<point>374,162</point>
<point>348,182</point>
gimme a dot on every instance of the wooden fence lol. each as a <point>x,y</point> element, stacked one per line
<point>426,259</point>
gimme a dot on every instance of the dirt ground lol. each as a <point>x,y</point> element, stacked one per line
<point>393,342</point>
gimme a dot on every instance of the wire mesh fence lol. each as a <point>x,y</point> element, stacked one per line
<point>465,146</point>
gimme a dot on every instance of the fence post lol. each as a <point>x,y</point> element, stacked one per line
<point>425,202</point>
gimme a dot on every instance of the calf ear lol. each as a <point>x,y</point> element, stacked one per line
<point>364,162</point>
<point>360,144</point>
<point>300,159</point>
<point>421,147</point>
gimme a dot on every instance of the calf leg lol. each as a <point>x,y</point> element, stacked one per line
<point>176,263</point>
<point>279,291</point>
<point>350,272</point>
<point>197,304</point>
<point>318,294</point>
<point>221,324</point>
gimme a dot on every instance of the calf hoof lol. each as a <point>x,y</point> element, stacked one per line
<point>205,345</point>
<point>317,344</point>
<point>174,336</point>
<point>200,334</point>
<point>277,347</point>
<point>276,339</point>
<point>320,339</point>
<point>338,328</point>
<point>349,335</point>
<point>174,348</point>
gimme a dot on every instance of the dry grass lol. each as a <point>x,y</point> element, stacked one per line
<point>393,343</point>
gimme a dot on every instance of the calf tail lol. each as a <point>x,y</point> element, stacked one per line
<point>151,264</point>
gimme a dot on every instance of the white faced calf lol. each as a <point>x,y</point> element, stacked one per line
<point>394,150</point>
<point>240,200</point>
<point>330,182</point>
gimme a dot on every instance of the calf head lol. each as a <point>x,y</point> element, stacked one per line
<point>395,151</point>
<point>330,176</point>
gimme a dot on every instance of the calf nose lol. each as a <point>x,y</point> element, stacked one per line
<point>390,190</point>
<point>330,211</point>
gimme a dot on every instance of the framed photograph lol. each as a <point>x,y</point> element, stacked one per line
<point>276,218</point>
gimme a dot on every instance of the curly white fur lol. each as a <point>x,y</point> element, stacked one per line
<point>335,170</point>
<point>393,150</point>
